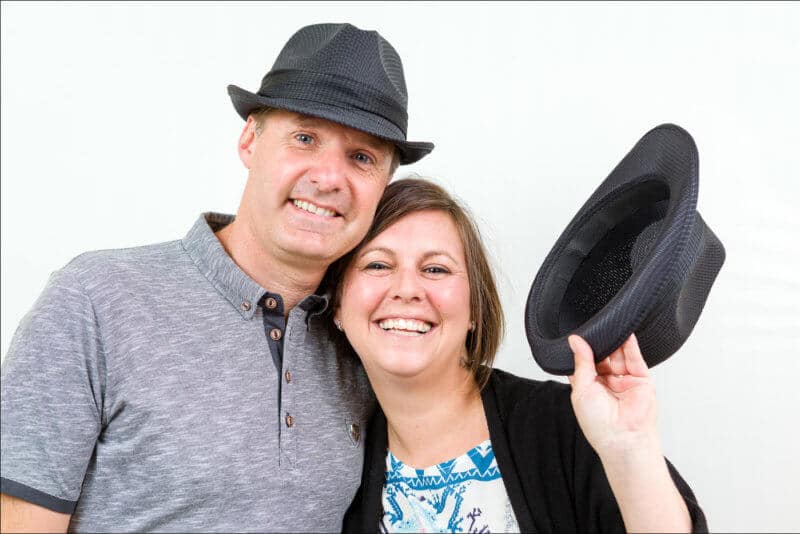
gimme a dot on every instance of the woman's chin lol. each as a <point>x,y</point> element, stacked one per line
<point>400,368</point>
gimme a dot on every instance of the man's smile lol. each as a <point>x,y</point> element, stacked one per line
<point>316,209</point>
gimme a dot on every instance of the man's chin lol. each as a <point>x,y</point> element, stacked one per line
<point>317,254</point>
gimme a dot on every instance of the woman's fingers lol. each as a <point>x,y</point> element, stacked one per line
<point>585,371</point>
<point>626,360</point>
<point>634,361</point>
<point>613,364</point>
<point>622,383</point>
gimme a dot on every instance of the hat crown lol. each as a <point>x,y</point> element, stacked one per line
<point>342,50</point>
<point>342,74</point>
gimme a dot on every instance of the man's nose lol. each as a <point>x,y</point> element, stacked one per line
<point>330,171</point>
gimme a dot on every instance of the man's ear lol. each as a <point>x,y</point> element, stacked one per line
<point>247,141</point>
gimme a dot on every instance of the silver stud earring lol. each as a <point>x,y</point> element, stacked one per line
<point>472,326</point>
<point>338,324</point>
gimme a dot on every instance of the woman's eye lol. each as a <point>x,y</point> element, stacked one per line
<point>376,266</point>
<point>304,138</point>
<point>436,269</point>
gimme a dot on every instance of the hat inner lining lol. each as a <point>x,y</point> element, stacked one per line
<point>603,253</point>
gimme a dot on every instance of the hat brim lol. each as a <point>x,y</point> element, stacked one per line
<point>661,167</point>
<point>246,102</point>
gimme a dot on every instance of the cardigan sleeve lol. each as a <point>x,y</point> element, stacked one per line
<point>563,486</point>
<point>596,506</point>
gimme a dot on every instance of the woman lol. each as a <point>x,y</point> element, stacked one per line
<point>456,446</point>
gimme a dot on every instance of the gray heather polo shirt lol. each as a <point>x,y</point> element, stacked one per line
<point>141,394</point>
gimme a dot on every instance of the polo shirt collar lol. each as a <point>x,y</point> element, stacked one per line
<point>218,267</point>
<point>211,259</point>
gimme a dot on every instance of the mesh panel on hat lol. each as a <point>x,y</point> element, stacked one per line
<point>615,240</point>
<point>674,319</point>
<point>338,49</point>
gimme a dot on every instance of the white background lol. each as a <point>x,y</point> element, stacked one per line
<point>117,131</point>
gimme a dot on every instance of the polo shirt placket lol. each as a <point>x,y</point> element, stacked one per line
<point>291,371</point>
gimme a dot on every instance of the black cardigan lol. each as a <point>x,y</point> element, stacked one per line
<point>554,479</point>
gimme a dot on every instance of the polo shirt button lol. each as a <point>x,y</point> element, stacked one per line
<point>288,375</point>
<point>246,305</point>
<point>271,303</point>
<point>289,420</point>
<point>275,334</point>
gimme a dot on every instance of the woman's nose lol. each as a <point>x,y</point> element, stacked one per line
<point>407,285</point>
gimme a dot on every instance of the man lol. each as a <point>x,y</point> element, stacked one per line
<point>190,385</point>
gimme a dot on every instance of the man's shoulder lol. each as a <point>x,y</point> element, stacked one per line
<point>122,265</point>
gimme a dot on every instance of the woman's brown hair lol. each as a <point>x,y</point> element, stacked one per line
<point>411,195</point>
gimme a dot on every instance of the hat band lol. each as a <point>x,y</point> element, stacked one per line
<point>333,90</point>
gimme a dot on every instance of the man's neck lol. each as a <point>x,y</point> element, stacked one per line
<point>291,282</point>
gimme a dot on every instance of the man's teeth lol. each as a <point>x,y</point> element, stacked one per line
<point>408,325</point>
<point>313,208</point>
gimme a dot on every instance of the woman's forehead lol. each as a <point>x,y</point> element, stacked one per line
<point>425,233</point>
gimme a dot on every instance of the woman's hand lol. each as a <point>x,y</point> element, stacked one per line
<point>615,404</point>
<point>614,400</point>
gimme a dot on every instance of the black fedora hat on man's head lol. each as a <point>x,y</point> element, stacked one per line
<point>343,74</point>
<point>636,258</point>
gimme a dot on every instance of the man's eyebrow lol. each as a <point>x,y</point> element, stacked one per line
<point>305,120</point>
<point>376,143</point>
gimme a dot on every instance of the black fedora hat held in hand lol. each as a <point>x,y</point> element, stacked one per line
<point>637,257</point>
<point>343,74</point>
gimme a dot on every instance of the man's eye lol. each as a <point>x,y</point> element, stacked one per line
<point>362,158</point>
<point>304,138</point>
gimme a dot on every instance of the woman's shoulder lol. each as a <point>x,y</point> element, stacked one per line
<point>514,385</point>
<point>526,397</point>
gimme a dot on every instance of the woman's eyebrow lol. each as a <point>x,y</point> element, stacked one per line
<point>367,250</point>
<point>391,252</point>
<point>432,253</point>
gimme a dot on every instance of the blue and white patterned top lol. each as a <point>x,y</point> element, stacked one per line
<point>465,494</point>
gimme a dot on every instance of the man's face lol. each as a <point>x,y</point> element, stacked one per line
<point>313,186</point>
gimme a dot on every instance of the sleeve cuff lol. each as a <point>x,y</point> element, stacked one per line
<point>34,496</point>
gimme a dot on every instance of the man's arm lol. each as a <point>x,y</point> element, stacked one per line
<point>17,515</point>
<point>52,395</point>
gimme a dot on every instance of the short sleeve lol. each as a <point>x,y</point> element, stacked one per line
<point>53,379</point>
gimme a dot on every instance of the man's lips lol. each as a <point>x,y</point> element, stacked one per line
<point>316,209</point>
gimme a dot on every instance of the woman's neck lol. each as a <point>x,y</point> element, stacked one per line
<point>430,422</point>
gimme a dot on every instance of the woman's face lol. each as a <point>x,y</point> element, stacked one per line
<point>405,298</point>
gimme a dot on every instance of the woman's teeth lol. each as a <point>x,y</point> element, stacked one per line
<point>405,325</point>
<point>313,208</point>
